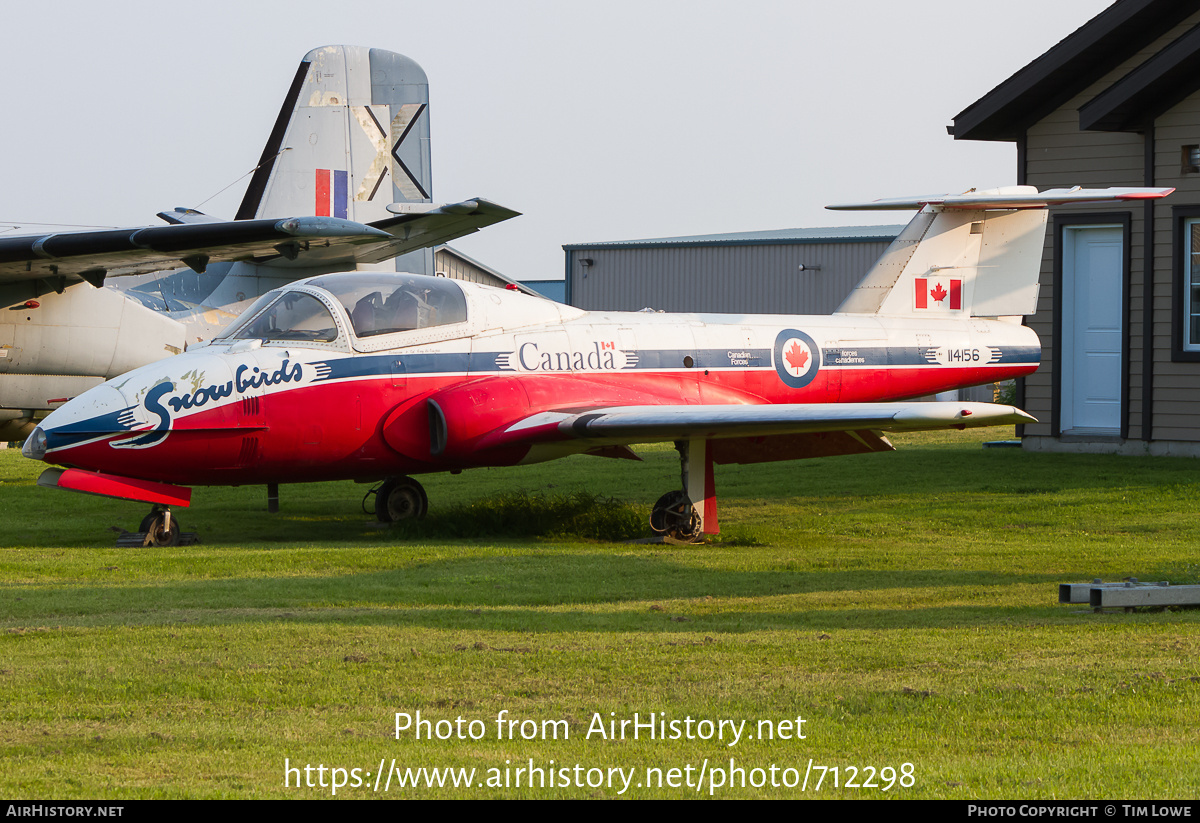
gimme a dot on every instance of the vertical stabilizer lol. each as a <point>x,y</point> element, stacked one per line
<point>962,262</point>
<point>351,139</point>
<point>977,254</point>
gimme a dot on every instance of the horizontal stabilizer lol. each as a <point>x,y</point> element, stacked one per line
<point>465,207</point>
<point>976,254</point>
<point>441,224</point>
<point>182,214</point>
<point>1010,197</point>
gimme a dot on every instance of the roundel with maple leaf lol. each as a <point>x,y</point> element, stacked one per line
<point>797,358</point>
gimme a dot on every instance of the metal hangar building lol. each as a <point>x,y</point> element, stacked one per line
<point>788,271</point>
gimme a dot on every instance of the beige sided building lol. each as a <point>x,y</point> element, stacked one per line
<point>1117,103</point>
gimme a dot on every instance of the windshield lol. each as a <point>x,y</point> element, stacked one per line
<point>292,316</point>
<point>382,303</point>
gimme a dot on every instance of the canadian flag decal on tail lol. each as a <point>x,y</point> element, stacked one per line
<point>942,294</point>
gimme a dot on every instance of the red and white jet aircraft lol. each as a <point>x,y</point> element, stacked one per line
<point>380,375</point>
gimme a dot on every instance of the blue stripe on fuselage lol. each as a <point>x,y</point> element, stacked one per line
<point>647,360</point>
<point>72,434</point>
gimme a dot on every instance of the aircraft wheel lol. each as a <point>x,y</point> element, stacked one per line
<point>675,516</point>
<point>400,498</point>
<point>157,531</point>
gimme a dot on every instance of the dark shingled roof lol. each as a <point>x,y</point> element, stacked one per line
<point>1099,46</point>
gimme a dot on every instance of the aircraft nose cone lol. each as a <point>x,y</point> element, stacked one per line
<point>35,445</point>
<point>98,412</point>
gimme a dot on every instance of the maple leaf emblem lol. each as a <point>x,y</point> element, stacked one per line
<point>938,294</point>
<point>796,356</point>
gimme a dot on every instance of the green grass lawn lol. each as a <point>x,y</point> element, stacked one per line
<point>904,605</point>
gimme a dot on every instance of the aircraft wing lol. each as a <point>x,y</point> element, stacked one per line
<point>759,433</point>
<point>295,242</point>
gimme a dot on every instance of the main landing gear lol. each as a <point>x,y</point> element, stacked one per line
<point>686,514</point>
<point>400,498</point>
<point>674,516</point>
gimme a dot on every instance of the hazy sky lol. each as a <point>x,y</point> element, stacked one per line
<point>598,121</point>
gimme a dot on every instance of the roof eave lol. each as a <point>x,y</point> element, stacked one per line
<point>1148,90</point>
<point>1036,90</point>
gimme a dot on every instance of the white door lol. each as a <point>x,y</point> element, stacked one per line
<point>1092,331</point>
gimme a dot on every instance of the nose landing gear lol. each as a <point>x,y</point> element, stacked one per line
<point>160,528</point>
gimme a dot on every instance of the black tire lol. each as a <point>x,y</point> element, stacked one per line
<point>400,498</point>
<point>156,532</point>
<point>675,516</point>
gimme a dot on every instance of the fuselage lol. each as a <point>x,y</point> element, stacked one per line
<point>347,396</point>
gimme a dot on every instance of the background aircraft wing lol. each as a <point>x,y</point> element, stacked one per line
<point>760,433</point>
<point>295,242</point>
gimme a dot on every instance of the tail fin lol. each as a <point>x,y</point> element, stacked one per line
<point>977,254</point>
<point>351,139</point>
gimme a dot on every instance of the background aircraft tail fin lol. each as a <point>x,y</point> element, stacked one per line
<point>977,254</point>
<point>351,139</point>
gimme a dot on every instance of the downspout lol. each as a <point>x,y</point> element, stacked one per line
<point>1148,289</point>
<point>568,288</point>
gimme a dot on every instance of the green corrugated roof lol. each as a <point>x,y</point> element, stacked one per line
<point>826,234</point>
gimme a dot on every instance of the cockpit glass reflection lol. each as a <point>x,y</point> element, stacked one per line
<point>382,303</point>
<point>293,316</point>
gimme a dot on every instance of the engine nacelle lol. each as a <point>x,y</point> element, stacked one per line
<point>54,345</point>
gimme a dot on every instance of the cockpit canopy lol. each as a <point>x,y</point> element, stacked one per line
<point>292,315</point>
<point>376,303</point>
<point>386,303</point>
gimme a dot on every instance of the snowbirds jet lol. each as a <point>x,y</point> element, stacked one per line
<point>380,376</point>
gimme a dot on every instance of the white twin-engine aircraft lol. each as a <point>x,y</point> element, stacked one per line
<point>379,376</point>
<point>344,182</point>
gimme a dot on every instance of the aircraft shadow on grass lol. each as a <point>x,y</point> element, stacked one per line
<point>508,593</point>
